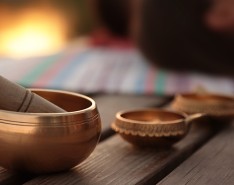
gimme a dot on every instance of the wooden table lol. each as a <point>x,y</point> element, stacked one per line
<point>204,156</point>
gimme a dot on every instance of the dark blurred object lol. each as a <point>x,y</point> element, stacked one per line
<point>115,15</point>
<point>172,34</point>
<point>220,16</point>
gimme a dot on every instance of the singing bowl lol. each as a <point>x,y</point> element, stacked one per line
<point>50,142</point>
<point>152,127</point>
<point>220,107</point>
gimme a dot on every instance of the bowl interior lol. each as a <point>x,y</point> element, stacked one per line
<point>68,101</point>
<point>152,116</point>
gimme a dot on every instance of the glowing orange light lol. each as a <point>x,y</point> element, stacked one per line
<point>33,32</point>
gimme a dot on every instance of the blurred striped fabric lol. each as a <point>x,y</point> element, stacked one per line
<point>107,70</point>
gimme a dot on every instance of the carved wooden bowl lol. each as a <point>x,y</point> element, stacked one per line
<point>152,127</point>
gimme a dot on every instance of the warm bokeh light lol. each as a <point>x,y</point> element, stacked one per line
<point>31,32</point>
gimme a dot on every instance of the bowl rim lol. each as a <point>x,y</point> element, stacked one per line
<point>207,97</point>
<point>11,117</point>
<point>215,105</point>
<point>178,127</point>
<point>138,122</point>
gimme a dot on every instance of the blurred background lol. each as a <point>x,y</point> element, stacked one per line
<point>42,27</point>
<point>167,41</point>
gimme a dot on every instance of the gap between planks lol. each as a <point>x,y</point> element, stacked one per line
<point>211,164</point>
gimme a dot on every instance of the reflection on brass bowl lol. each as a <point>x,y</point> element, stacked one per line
<point>217,106</point>
<point>152,127</point>
<point>50,142</point>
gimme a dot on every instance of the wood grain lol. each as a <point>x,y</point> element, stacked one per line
<point>115,162</point>
<point>212,164</point>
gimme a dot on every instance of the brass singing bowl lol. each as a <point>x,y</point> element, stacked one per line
<point>153,127</point>
<point>50,142</point>
<point>220,107</point>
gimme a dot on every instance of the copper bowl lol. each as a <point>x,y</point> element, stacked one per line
<point>50,142</point>
<point>220,107</point>
<point>152,127</point>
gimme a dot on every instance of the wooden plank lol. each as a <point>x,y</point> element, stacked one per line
<point>15,179</point>
<point>115,162</point>
<point>8,178</point>
<point>108,105</point>
<point>212,164</point>
<point>4,174</point>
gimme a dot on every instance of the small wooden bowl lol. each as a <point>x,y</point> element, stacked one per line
<point>217,106</point>
<point>152,127</point>
<point>50,142</point>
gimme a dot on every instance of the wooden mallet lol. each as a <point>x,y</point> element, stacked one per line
<point>14,97</point>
